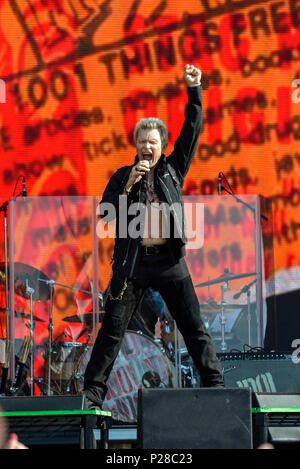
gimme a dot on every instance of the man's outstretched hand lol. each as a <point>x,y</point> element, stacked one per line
<point>192,75</point>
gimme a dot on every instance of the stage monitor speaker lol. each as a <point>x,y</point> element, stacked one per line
<point>262,372</point>
<point>40,403</point>
<point>204,418</point>
<point>38,431</point>
<point>283,428</point>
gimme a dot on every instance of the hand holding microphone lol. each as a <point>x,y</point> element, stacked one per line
<point>138,171</point>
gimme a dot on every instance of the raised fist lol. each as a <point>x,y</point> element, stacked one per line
<point>192,75</point>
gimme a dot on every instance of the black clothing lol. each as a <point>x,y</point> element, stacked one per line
<point>177,290</point>
<point>169,175</point>
<point>164,271</point>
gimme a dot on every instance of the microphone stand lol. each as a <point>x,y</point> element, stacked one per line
<point>258,249</point>
<point>243,202</point>
<point>3,208</point>
<point>220,184</point>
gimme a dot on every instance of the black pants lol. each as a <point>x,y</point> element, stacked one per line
<point>175,286</point>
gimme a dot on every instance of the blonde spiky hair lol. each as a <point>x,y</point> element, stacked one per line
<point>153,123</point>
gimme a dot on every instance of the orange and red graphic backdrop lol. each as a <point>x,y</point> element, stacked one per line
<point>80,73</point>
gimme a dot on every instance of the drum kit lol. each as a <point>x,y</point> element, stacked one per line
<point>142,361</point>
<point>32,284</point>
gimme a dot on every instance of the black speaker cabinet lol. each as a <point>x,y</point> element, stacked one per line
<point>262,372</point>
<point>278,421</point>
<point>44,430</point>
<point>204,418</point>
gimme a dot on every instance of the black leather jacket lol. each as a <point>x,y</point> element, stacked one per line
<point>169,178</point>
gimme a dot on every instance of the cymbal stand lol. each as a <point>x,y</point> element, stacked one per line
<point>50,329</point>
<point>67,286</point>
<point>30,292</point>
<point>222,318</point>
<point>89,292</point>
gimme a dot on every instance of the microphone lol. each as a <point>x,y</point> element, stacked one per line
<point>146,176</point>
<point>24,194</point>
<point>244,289</point>
<point>237,295</point>
<point>220,183</point>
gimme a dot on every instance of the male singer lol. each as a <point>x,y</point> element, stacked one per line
<point>143,259</point>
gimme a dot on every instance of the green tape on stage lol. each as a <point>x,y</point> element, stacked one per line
<point>276,409</point>
<point>41,413</point>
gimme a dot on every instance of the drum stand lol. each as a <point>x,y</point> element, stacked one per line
<point>50,327</point>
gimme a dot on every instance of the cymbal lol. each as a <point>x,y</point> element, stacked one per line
<point>225,278</point>
<point>212,304</point>
<point>215,309</point>
<point>35,277</point>
<point>20,314</point>
<point>83,318</point>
